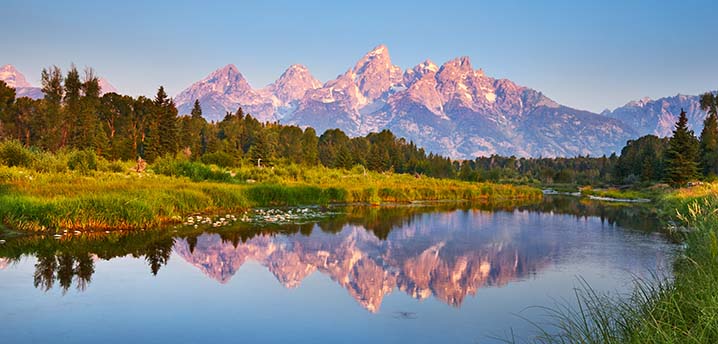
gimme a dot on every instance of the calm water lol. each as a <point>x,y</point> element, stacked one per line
<point>379,275</point>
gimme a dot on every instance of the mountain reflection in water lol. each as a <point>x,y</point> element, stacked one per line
<point>447,256</point>
<point>445,252</point>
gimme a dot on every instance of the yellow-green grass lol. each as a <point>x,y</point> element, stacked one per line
<point>104,200</point>
<point>615,193</point>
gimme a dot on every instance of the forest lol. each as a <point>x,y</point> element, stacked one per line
<point>74,116</point>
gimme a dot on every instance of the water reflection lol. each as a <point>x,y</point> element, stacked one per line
<point>446,252</point>
<point>4,262</point>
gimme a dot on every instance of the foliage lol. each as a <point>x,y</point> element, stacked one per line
<point>682,154</point>
<point>12,153</point>
<point>82,161</point>
<point>47,195</point>
<point>642,159</point>
<point>709,136</point>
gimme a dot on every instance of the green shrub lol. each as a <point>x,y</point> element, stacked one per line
<point>12,153</point>
<point>83,161</point>
<point>196,171</point>
<point>47,162</point>
<point>221,159</point>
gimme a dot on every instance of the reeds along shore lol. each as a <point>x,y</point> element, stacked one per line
<point>76,190</point>
<point>679,310</point>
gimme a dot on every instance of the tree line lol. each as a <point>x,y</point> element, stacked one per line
<point>73,115</point>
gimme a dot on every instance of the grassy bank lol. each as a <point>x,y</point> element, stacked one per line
<point>684,310</point>
<point>106,196</point>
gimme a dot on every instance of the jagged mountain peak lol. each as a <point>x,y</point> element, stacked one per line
<point>225,90</point>
<point>463,63</point>
<point>292,85</point>
<point>228,69</point>
<point>659,116</point>
<point>297,70</point>
<point>374,74</point>
<point>639,102</point>
<point>379,50</point>
<point>417,72</point>
<point>460,66</point>
<point>425,67</point>
<point>452,109</point>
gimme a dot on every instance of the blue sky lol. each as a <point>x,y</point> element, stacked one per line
<point>586,54</point>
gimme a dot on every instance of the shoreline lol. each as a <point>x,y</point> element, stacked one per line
<point>104,201</point>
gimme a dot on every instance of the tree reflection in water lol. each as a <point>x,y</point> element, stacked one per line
<point>382,264</point>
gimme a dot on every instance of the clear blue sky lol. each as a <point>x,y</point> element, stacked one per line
<point>587,54</point>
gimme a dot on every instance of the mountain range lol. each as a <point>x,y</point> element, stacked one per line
<point>453,109</point>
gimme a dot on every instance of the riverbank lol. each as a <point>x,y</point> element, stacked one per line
<point>681,310</point>
<point>116,198</point>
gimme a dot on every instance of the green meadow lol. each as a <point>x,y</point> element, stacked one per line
<point>76,190</point>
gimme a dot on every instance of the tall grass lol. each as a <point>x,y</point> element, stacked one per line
<point>682,310</point>
<point>77,190</point>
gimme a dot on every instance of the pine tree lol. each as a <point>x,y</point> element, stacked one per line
<point>682,154</point>
<point>310,142</point>
<point>709,135</point>
<point>196,110</point>
<point>163,131</point>
<point>194,133</point>
<point>261,149</point>
<point>7,100</point>
<point>343,158</point>
<point>71,110</point>
<point>53,125</point>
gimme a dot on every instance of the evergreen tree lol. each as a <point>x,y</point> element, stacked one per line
<point>53,127</point>
<point>196,112</point>
<point>7,101</point>
<point>290,143</point>
<point>310,142</point>
<point>162,132</point>
<point>709,135</point>
<point>194,132</point>
<point>261,149</point>
<point>71,110</point>
<point>343,158</point>
<point>378,159</point>
<point>682,154</point>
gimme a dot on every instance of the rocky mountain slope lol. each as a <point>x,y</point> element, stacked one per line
<point>658,117</point>
<point>452,109</point>
<point>226,89</point>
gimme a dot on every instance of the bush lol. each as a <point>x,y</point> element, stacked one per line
<point>12,153</point>
<point>83,161</point>
<point>196,171</point>
<point>220,159</point>
<point>45,162</point>
<point>111,166</point>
